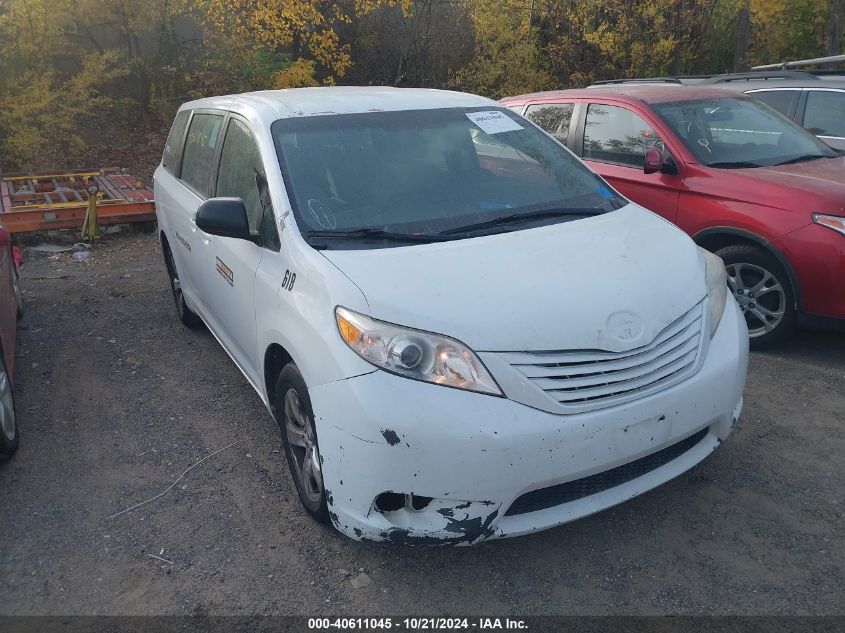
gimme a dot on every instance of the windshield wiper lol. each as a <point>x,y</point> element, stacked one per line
<point>802,158</point>
<point>520,217</point>
<point>738,164</point>
<point>380,234</point>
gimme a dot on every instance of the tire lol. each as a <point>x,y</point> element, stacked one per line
<point>764,293</point>
<point>16,288</point>
<point>188,317</point>
<point>9,435</point>
<point>293,413</point>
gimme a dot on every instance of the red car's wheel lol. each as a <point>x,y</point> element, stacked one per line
<point>762,290</point>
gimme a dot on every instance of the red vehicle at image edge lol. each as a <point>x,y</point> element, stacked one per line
<point>10,310</point>
<point>744,181</point>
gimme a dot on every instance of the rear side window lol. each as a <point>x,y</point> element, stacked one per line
<point>554,118</point>
<point>825,113</point>
<point>780,100</point>
<point>199,151</point>
<point>616,135</point>
<point>173,146</point>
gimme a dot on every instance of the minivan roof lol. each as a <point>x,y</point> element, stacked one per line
<point>646,93</point>
<point>296,102</point>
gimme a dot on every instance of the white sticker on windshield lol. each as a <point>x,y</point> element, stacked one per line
<point>493,122</point>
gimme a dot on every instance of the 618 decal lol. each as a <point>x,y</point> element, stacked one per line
<point>288,281</point>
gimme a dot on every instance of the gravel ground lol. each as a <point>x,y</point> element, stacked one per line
<point>116,399</point>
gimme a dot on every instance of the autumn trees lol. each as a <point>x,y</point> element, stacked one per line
<point>73,70</point>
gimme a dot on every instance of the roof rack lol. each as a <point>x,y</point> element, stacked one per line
<point>756,76</point>
<point>645,80</point>
<point>832,59</point>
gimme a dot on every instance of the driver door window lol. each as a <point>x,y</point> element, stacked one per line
<point>616,135</point>
<point>241,175</point>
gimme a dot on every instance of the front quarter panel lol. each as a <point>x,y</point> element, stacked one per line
<point>299,314</point>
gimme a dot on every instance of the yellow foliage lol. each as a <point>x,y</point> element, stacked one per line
<point>42,116</point>
<point>276,24</point>
<point>298,75</point>
<point>506,59</point>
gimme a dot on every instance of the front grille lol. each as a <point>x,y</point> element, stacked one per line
<point>584,380</point>
<point>578,489</point>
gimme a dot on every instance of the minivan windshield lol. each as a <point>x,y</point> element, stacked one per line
<point>736,132</point>
<point>380,179</point>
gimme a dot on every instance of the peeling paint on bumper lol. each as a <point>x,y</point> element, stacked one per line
<point>473,455</point>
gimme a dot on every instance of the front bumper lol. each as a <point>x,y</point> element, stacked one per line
<point>474,455</point>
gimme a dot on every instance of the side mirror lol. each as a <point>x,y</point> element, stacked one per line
<point>654,162</point>
<point>225,217</point>
<point>5,237</point>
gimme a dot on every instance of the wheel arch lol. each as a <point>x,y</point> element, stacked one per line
<point>715,238</point>
<point>275,358</point>
<point>165,247</point>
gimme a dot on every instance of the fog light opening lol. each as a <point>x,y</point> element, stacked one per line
<point>393,501</point>
<point>390,502</point>
<point>419,502</point>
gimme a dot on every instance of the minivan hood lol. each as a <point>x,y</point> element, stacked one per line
<point>553,287</point>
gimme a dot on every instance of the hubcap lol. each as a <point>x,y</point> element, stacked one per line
<point>7,409</point>
<point>760,296</point>
<point>299,428</point>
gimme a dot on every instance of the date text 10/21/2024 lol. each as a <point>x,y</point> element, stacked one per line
<point>418,623</point>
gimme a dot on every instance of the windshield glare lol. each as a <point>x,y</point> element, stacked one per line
<point>734,131</point>
<point>422,172</point>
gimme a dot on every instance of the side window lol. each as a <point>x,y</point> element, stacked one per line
<point>616,135</point>
<point>199,150</point>
<point>825,113</point>
<point>241,175</point>
<point>554,118</point>
<point>780,100</point>
<point>173,146</point>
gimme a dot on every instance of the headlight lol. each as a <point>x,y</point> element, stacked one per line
<point>716,279</point>
<point>830,221</point>
<point>414,353</point>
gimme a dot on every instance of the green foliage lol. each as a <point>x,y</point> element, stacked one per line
<point>788,29</point>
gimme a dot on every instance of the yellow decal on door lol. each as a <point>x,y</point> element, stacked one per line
<point>225,272</point>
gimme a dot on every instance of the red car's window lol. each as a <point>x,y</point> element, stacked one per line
<point>616,135</point>
<point>552,117</point>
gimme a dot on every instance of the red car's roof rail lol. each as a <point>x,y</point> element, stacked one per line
<point>656,80</point>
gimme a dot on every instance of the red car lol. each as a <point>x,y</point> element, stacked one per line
<point>743,180</point>
<point>10,309</point>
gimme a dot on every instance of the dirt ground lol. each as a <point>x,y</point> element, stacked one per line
<point>116,399</point>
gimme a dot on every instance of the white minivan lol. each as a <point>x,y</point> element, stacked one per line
<point>462,332</point>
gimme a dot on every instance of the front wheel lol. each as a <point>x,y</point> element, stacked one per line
<point>8,419</point>
<point>292,409</point>
<point>764,294</point>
